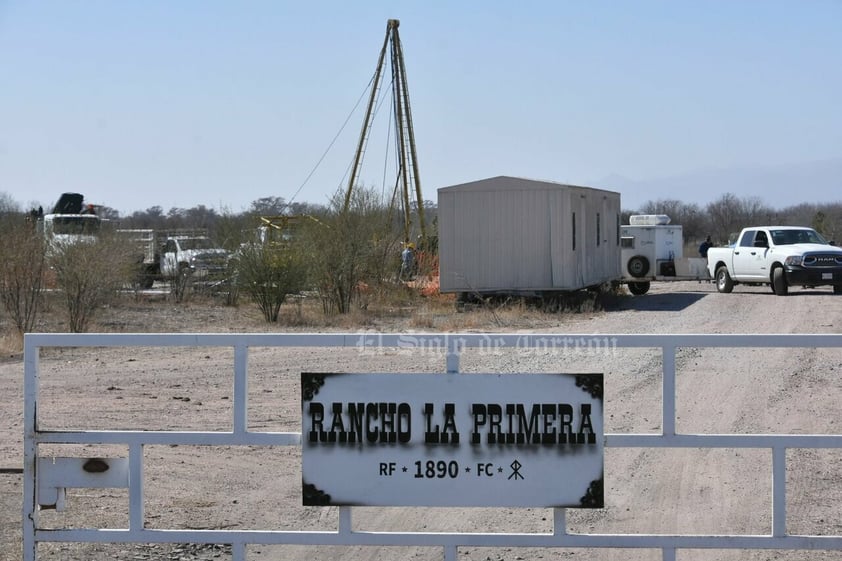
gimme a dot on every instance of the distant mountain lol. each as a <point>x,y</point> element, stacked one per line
<point>778,186</point>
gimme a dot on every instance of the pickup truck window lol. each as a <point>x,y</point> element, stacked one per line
<point>197,243</point>
<point>76,224</point>
<point>748,238</point>
<point>789,237</point>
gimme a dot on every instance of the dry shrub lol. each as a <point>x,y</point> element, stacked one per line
<point>436,313</point>
<point>423,318</point>
<point>268,274</point>
<point>11,342</point>
<point>511,312</point>
<point>89,274</point>
<point>22,274</point>
<point>351,253</point>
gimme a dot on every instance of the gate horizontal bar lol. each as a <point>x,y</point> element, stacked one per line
<point>425,341</point>
<point>420,539</point>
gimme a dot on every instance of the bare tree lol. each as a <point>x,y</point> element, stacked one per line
<point>108,213</point>
<point>201,217</point>
<point>268,273</point>
<point>726,216</point>
<point>8,204</point>
<point>351,251</point>
<point>268,206</point>
<point>22,272</point>
<point>692,219</point>
<point>756,212</point>
<point>828,221</point>
<point>799,215</point>
<point>89,274</point>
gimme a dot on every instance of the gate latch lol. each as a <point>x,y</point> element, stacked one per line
<point>54,475</point>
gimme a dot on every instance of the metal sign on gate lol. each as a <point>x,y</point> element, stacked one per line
<point>433,440</point>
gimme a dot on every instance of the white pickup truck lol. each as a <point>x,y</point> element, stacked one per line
<point>167,255</point>
<point>196,256</point>
<point>780,256</point>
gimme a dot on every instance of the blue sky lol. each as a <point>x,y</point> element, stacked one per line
<point>184,103</point>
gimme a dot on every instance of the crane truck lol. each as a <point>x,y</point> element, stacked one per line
<point>71,221</point>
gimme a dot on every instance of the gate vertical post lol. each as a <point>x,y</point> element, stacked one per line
<point>779,491</point>
<point>136,487</point>
<point>668,423</point>
<point>345,522</point>
<point>454,349</point>
<point>241,389</point>
<point>559,521</point>
<point>30,448</point>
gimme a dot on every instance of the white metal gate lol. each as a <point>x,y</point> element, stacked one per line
<point>44,481</point>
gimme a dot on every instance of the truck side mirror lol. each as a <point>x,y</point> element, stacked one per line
<point>761,243</point>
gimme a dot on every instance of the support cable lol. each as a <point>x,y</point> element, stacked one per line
<point>332,142</point>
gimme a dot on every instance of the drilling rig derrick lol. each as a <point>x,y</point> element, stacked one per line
<point>409,180</point>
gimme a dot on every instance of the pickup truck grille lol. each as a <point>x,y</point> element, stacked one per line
<point>822,260</point>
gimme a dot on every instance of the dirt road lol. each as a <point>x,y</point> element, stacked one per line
<point>647,491</point>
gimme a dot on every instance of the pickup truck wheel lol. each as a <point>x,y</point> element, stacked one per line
<point>638,266</point>
<point>638,288</point>
<point>837,288</point>
<point>724,284</point>
<point>779,284</point>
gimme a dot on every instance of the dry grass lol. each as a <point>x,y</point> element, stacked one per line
<point>11,342</point>
<point>399,310</point>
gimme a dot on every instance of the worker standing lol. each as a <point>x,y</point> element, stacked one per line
<point>706,245</point>
<point>407,262</point>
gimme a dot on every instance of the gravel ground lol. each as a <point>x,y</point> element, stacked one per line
<point>647,490</point>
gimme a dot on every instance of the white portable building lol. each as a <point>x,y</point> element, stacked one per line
<point>508,235</point>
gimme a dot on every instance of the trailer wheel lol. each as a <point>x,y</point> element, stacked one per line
<point>638,266</point>
<point>639,288</point>
<point>779,284</point>
<point>724,283</point>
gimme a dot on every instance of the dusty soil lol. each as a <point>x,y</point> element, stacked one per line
<point>647,491</point>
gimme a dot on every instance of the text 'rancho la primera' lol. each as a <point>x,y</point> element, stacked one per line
<point>543,424</point>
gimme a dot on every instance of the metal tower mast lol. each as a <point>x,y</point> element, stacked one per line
<point>410,179</point>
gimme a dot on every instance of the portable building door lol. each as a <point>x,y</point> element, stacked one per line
<point>568,217</point>
<point>586,230</point>
<point>610,267</point>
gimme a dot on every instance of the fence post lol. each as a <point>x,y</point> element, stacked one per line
<point>30,448</point>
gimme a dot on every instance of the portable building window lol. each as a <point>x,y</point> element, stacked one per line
<point>618,228</point>
<point>598,229</point>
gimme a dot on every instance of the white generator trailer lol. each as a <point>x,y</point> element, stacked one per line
<point>652,249</point>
